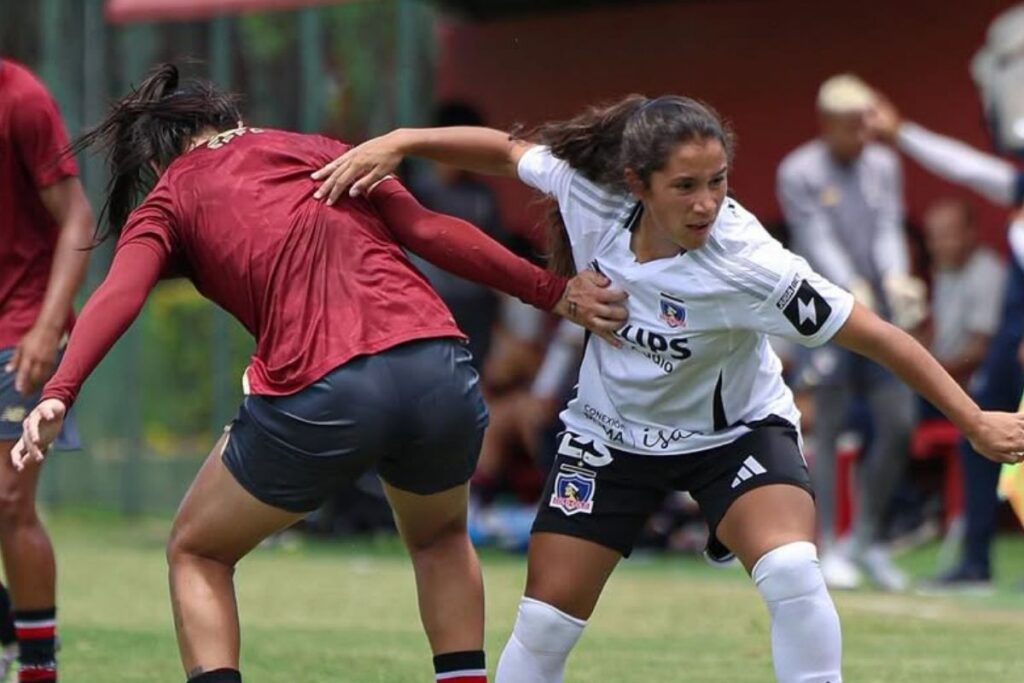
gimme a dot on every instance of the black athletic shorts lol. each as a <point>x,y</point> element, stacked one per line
<point>413,411</point>
<point>604,495</point>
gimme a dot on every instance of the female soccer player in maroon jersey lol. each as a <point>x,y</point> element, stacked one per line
<point>45,222</point>
<point>357,361</point>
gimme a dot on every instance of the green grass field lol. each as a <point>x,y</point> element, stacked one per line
<point>345,613</point>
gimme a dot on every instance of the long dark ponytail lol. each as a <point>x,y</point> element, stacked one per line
<point>636,132</point>
<point>152,124</point>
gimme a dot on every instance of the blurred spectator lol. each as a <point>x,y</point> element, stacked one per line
<point>843,200</point>
<point>517,347</point>
<point>967,289</point>
<point>517,448</point>
<point>454,192</point>
<point>999,380</point>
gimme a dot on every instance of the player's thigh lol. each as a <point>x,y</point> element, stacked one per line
<point>755,493</point>
<point>595,503</point>
<point>568,573</point>
<point>219,519</point>
<point>424,519</point>
<point>766,518</point>
<point>17,489</point>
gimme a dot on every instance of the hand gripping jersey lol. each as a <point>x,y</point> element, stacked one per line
<point>696,370</point>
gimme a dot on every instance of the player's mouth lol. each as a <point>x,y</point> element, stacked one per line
<point>699,228</point>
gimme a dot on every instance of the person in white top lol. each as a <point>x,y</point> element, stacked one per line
<point>842,198</point>
<point>998,69</point>
<point>689,396</point>
<point>967,288</point>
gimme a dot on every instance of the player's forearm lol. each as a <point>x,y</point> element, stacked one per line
<point>482,150</point>
<point>70,260</point>
<point>463,250</point>
<point>867,334</point>
<point>105,317</point>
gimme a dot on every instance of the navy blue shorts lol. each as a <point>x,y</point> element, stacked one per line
<point>414,412</point>
<point>604,495</point>
<point>15,406</point>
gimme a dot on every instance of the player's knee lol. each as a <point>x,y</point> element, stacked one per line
<point>17,506</point>
<point>787,572</point>
<point>182,548</point>
<point>177,547</point>
<point>439,538</point>
<point>541,628</point>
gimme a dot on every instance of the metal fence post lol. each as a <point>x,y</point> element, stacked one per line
<point>219,50</point>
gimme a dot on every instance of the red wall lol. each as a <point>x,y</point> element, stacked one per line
<point>758,62</point>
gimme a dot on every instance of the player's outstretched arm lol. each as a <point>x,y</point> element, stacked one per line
<point>988,175</point>
<point>105,317</point>
<point>462,249</point>
<point>483,150</point>
<point>996,435</point>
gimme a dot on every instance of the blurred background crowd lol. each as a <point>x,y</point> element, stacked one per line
<point>863,145</point>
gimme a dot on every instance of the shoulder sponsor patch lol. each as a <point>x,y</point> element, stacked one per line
<point>807,310</point>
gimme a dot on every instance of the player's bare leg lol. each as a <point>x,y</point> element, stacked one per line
<point>27,552</point>
<point>771,530</point>
<point>30,567</point>
<point>217,523</point>
<point>564,580</point>
<point>449,584</point>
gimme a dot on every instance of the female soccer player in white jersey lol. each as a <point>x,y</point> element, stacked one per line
<point>695,401</point>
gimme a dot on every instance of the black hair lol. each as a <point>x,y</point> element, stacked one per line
<point>152,125</point>
<point>637,133</point>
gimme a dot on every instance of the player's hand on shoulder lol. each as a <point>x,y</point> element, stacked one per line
<point>34,359</point>
<point>999,436</point>
<point>359,169</point>
<point>38,431</point>
<point>589,300</point>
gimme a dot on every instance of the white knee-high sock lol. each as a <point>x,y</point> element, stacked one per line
<point>540,643</point>
<point>806,639</point>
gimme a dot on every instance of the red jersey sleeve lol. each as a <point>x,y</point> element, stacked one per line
<point>146,251</point>
<point>41,139</point>
<point>462,249</point>
<point>153,225</point>
<point>105,317</point>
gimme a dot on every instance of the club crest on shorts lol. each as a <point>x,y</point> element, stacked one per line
<point>672,311</point>
<point>574,492</point>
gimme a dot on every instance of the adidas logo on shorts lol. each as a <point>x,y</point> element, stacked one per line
<point>749,468</point>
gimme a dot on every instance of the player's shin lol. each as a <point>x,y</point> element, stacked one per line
<point>539,645</point>
<point>806,638</point>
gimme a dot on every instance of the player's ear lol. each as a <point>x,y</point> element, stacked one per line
<point>633,182</point>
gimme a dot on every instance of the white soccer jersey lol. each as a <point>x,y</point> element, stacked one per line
<point>696,370</point>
